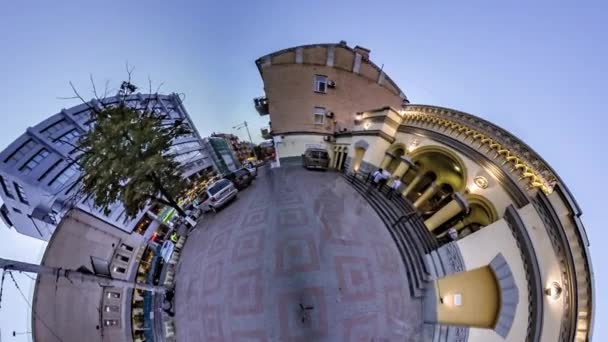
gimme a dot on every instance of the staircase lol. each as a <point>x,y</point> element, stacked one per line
<point>406,227</point>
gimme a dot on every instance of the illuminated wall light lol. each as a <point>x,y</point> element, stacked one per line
<point>481,182</point>
<point>553,291</point>
<point>367,125</point>
<point>412,145</point>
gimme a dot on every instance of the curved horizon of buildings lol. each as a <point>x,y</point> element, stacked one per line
<point>519,268</point>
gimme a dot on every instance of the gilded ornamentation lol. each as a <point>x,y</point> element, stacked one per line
<point>537,174</point>
<point>481,182</point>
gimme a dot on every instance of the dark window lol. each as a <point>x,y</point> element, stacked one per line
<point>21,151</point>
<point>119,269</point>
<point>68,138</point>
<point>126,247</point>
<point>6,189</point>
<point>17,210</point>
<point>113,295</point>
<point>21,193</point>
<point>320,84</point>
<point>63,177</point>
<point>122,258</point>
<point>50,169</point>
<point>51,130</point>
<point>34,161</point>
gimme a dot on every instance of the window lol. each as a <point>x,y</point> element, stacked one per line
<point>320,84</point>
<point>21,151</point>
<point>113,295</point>
<point>126,247</point>
<point>6,189</point>
<point>111,308</point>
<point>188,156</point>
<point>50,169</point>
<point>110,322</point>
<point>63,177</point>
<point>122,258</point>
<point>68,138</point>
<point>21,193</point>
<point>319,115</point>
<point>51,130</point>
<point>34,161</point>
<point>184,146</point>
<point>118,269</point>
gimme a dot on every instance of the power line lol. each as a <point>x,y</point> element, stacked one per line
<point>31,307</point>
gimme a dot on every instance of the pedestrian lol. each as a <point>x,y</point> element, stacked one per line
<point>395,185</point>
<point>453,233</point>
<point>377,177</point>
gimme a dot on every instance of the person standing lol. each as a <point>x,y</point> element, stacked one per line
<point>395,185</point>
<point>377,177</point>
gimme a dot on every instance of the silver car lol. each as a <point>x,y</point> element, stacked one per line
<point>217,195</point>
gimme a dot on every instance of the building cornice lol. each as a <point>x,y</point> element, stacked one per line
<point>524,161</point>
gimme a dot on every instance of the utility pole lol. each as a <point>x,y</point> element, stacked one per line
<point>244,124</point>
<point>74,275</point>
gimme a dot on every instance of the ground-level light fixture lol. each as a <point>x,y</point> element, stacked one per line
<point>554,291</point>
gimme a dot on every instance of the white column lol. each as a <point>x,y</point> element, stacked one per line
<point>447,212</point>
<point>426,195</point>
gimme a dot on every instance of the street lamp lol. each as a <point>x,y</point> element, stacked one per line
<point>244,124</point>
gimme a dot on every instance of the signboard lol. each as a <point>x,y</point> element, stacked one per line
<point>167,250</point>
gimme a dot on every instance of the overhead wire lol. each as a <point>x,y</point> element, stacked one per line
<point>34,313</point>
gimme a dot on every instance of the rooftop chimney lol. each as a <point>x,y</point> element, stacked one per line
<point>362,51</point>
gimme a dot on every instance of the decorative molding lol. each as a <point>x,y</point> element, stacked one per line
<point>509,295</point>
<point>375,132</point>
<point>519,197</point>
<point>361,144</point>
<point>451,258</point>
<point>533,275</point>
<point>558,239</point>
<point>510,149</point>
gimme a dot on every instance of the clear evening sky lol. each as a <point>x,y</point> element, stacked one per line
<point>538,70</point>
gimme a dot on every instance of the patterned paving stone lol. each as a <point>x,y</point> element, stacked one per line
<point>300,256</point>
<point>355,278</point>
<point>297,254</point>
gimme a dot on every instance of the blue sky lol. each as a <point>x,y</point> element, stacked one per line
<point>538,70</point>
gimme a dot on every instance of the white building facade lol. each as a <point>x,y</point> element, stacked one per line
<point>39,175</point>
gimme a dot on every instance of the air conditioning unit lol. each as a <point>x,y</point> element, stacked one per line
<point>344,130</point>
<point>328,138</point>
<point>329,114</point>
<point>331,84</point>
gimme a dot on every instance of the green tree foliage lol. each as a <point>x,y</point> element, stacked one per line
<point>127,157</point>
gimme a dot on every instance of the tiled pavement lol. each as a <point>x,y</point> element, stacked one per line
<point>300,256</point>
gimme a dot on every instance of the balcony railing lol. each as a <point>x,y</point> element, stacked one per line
<point>261,105</point>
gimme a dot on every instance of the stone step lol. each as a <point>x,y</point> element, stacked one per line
<point>416,272</point>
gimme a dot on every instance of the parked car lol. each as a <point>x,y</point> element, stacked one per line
<point>241,178</point>
<point>315,158</point>
<point>253,169</point>
<point>217,195</point>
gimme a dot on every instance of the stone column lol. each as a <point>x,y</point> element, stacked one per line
<point>426,195</point>
<point>387,160</point>
<point>457,205</point>
<point>339,166</point>
<point>404,165</point>
<point>412,184</point>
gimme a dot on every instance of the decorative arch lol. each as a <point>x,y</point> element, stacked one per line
<point>362,144</point>
<point>455,158</point>
<point>483,204</point>
<point>396,146</point>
